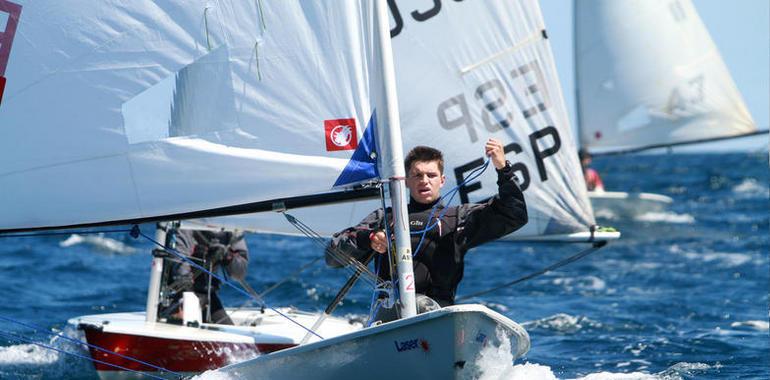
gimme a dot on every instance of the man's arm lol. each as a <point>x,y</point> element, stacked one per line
<point>353,242</point>
<point>504,213</point>
<point>237,257</point>
<point>182,275</point>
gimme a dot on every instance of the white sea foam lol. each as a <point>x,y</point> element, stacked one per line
<point>728,259</point>
<point>26,354</point>
<point>619,376</point>
<point>98,241</point>
<point>751,188</point>
<point>215,375</point>
<point>680,371</point>
<point>495,362</point>
<point>46,363</point>
<point>562,322</point>
<point>665,217</point>
<point>581,283</point>
<point>752,325</point>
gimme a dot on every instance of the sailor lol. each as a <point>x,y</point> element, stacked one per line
<point>439,261</point>
<point>211,250</point>
<point>593,180</point>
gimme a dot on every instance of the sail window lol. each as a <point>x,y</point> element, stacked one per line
<point>196,100</point>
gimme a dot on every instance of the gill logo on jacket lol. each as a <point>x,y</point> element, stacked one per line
<point>11,12</point>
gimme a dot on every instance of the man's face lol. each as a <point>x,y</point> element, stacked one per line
<point>424,181</point>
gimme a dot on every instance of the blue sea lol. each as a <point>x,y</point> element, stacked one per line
<point>682,295</point>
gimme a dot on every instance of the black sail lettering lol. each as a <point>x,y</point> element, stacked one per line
<point>519,168</point>
<point>422,16</point>
<point>491,108</point>
<point>460,177</point>
<point>540,155</point>
<point>459,106</point>
<point>396,18</point>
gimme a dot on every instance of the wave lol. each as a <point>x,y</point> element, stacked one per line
<point>592,283</point>
<point>665,217</point>
<point>729,259</point>
<point>98,241</point>
<point>496,362</point>
<point>34,361</point>
<point>752,325</point>
<point>751,188</point>
<point>27,354</point>
<point>215,375</point>
<point>563,323</point>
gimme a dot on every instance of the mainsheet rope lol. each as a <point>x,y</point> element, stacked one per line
<point>594,247</point>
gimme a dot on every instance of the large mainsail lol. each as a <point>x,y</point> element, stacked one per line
<point>116,111</point>
<point>648,74</point>
<point>468,71</point>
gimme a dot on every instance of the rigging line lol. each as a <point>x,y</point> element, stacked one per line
<point>23,339</point>
<point>335,253</point>
<point>378,288</point>
<point>475,173</point>
<point>37,234</point>
<point>594,247</point>
<point>228,283</point>
<point>41,329</point>
<point>338,256</point>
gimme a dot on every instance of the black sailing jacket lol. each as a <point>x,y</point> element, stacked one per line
<point>438,266</point>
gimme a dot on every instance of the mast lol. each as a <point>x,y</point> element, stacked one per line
<point>575,73</point>
<point>393,161</point>
<point>156,274</point>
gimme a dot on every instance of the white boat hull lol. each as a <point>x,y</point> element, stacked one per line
<point>617,204</point>
<point>442,344</point>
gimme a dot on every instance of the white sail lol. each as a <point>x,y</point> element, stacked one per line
<point>118,110</point>
<point>468,71</point>
<point>648,73</point>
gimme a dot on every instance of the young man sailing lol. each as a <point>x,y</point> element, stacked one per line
<point>440,235</point>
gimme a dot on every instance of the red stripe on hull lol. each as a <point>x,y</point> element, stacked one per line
<point>172,354</point>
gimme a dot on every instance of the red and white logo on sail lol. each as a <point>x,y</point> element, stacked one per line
<point>11,11</point>
<point>340,134</point>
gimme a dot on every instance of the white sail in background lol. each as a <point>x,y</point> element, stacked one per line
<point>116,110</point>
<point>468,71</point>
<point>648,73</point>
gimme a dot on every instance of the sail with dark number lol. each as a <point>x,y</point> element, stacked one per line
<point>467,72</point>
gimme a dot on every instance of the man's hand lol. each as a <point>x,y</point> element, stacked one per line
<point>379,241</point>
<point>494,149</point>
<point>217,252</point>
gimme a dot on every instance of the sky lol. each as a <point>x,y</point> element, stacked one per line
<point>739,28</point>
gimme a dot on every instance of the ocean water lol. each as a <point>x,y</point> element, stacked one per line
<point>683,294</point>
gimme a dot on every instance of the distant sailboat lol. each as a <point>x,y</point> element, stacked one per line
<point>648,76</point>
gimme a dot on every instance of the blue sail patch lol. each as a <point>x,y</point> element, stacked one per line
<point>363,164</point>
